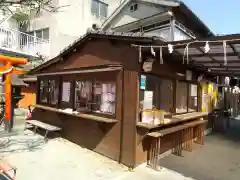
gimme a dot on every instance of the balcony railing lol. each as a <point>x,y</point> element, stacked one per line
<point>19,42</point>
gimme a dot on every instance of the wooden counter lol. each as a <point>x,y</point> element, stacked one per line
<point>189,116</point>
<point>174,120</point>
<point>153,126</point>
<point>79,115</point>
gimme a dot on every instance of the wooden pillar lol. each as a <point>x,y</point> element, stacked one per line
<point>130,116</point>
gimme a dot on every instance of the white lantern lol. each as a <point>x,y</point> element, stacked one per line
<point>227,80</point>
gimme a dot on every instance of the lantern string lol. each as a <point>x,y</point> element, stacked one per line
<point>140,54</point>
<point>161,56</point>
<point>225,52</point>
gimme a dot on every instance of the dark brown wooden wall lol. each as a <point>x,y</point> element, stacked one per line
<point>119,141</point>
<point>97,53</point>
<point>116,140</point>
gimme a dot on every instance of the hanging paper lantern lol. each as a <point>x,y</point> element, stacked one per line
<point>227,80</point>
<point>206,48</point>
<point>170,48</point>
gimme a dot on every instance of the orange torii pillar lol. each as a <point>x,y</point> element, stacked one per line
<point>8,70</point>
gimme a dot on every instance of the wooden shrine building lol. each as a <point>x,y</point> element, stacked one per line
<point>110,98</point>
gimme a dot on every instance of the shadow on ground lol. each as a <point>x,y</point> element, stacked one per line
<point>26,142</point>
<point>218,159</point>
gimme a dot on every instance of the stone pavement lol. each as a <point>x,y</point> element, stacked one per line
<point>218,159</point>
<point>60,159</point>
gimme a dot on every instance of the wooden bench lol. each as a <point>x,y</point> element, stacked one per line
<point>185,134</point>
<point>194,130</point>
<point>38,124</point>
<point>154,151</point>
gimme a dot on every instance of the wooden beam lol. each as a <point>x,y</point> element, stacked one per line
<point>211,62</point>
<point>231,67</point>
<point>213,54</point>
<point>235,51</point>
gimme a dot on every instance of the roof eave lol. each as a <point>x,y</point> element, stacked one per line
<point>195,18</point>
<point>122,36</point>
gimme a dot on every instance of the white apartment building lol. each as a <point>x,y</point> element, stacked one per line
<point>49,32</point>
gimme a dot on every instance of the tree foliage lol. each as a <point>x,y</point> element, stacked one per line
<point>27,4</point>
<point>21,10</point>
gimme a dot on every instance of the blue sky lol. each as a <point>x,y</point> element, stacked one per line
<point>221,16</point>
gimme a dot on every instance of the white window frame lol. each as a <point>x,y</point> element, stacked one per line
<point>98,14</point>
<point>35,31</point>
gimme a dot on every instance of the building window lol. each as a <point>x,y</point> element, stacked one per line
<point>99,9</point>
<point>83,96</point>
<point>181,97</point>
<point>66,91</point>
<point>186,97</point>
<point>49,91</point>
<point>156,93</point>
<point>193,98</point>
<point>133,7</point>
<point>97,97</point>
<point>41,34</point>
<point>104,96</point>
<point>43,94</point>
<point>53,92</point>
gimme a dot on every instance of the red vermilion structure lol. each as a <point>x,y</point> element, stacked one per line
<point>8,69</point>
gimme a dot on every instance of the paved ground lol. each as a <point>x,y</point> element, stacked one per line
<point>60,159</point>
<point>218,159</point>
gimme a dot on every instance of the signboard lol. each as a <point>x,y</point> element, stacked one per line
<point>148,100</point>
<point>143,82</point>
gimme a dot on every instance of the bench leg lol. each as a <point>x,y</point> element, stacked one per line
<point>184,137</point>
<point>35,129</point>
<point>177,144</point>
<point>199,135</point>
<point>191,139</point>
<point>202,135</point>
<point>187,139</point>
<point>45,136</point>
<point>154,152</point>
<point>179,152</point>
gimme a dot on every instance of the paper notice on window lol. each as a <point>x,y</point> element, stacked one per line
<point>66,91</point>
<point>148,100</point>
<point>193,90</point>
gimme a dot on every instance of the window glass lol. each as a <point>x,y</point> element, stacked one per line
<point>95,7</point>
<point>41,33</point>
<point>66,91</point>
<point>83,96</point>
<point>43,91</point>
<point>38,34</point>
<point>46,34</point>
<point>181,97</point>
<point>99,8</point>
<point>98,97</point>
<point>53,92</point>
<point>104,98</point>
<point>103,9</point>
<point>193,98</point>
<point>157,94</point>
